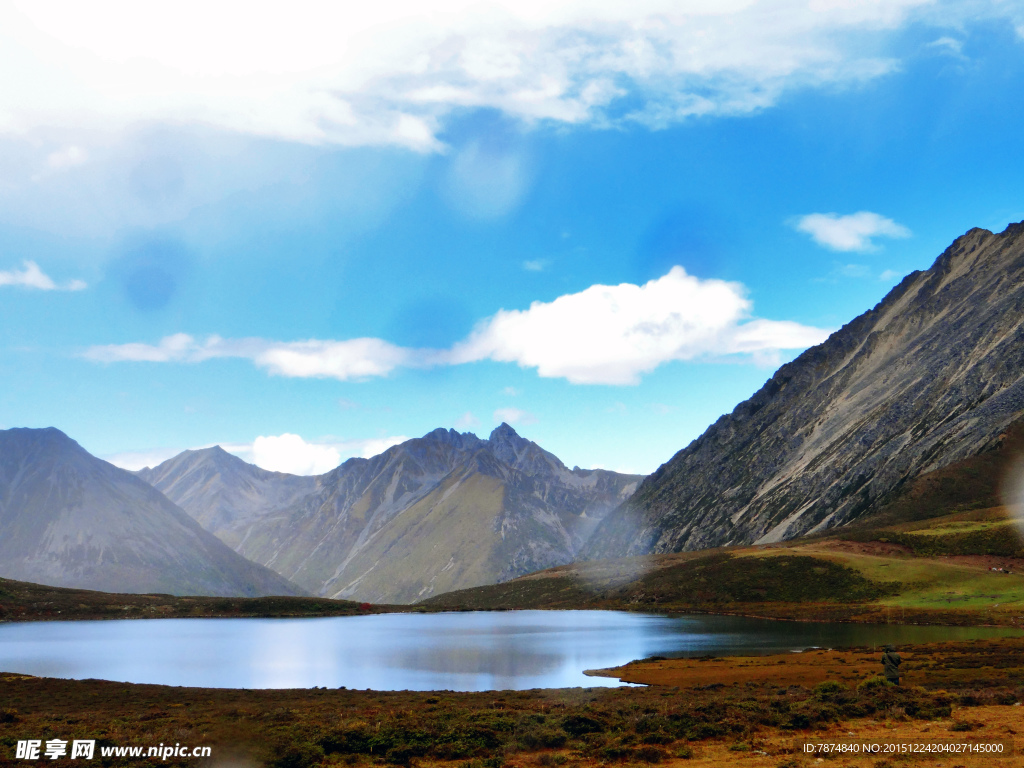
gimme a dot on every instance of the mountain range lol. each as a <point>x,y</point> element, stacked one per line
<point>445,511</point>
<point>931,375</point>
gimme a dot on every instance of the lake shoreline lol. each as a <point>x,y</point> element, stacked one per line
<point>718,710</point>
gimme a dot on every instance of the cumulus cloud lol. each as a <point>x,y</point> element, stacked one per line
<point>290,453</point>
<point>853,232</point>
<point>389,72</point>
<point>612,334</point>
<point>31,276</point>
<point>606,334</point>
<point>514,416</point>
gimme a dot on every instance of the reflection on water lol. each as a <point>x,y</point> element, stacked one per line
<point>453,651</point>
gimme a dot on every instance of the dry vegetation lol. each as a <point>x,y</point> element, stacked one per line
<point>711,712</point>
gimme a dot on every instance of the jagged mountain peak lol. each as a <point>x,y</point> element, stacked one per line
<point>459,440</point>
<point>433,513</point>
<point>504,433</point>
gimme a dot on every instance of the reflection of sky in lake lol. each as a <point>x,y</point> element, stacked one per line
<point>455,651</point>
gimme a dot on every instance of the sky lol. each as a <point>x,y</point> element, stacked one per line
<point>308,231</point>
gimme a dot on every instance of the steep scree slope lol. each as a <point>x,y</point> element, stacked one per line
<point>929,376</point>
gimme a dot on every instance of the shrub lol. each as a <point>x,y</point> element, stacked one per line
<point>872,684</point>
<point>296,754</point>
<point>828,690</point>
<point>577,725</point>
<point>649,754</point>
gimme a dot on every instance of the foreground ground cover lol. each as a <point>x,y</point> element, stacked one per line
<point>748,710</point>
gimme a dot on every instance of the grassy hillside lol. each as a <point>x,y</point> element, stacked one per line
<point>21,601</point>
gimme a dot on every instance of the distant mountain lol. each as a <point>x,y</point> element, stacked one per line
<point>224,494</point>
<point>68,519</point>
<point>441,512</point>
<point>931,375</point>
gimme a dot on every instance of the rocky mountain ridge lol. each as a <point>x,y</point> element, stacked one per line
<point>444,511</point>
<point>933,374</point>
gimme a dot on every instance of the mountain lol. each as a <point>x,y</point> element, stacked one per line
<point>68,519</point>
<point>441,512</point>
<point>931,375</point>
<point>224,494</point>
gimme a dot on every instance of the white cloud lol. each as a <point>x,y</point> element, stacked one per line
<point>278,453</point>
<point>514,416</point>
<point>290,453</point>
<point>389,72</point>
<point>342,360</point>
<point>510,391</point>
<point>849,233</point>
<point>602,335</point>
<point>535,265</point>
<point>31,276</point>
<point>613,334</point>
<point>889,275</point>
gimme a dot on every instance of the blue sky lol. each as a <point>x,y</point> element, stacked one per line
<point>307,232</point>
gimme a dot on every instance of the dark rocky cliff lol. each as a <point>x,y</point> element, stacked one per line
<point>931,375</point>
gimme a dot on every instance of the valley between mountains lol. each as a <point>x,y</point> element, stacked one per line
<point>902,429</point>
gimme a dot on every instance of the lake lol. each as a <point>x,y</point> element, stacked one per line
<point>401,651</point>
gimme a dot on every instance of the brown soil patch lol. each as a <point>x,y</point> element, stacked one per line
<point>877,548</point>
<point>808,668</point>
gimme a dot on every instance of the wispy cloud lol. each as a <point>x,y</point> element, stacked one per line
<point>391,72</point>
<point>948,45</point>
<point>31,276</point>
<point>342,360</point>
<point>606,334</point>
<point>514,416</point>
<point>467,421</point>
<point>853,232</point>
<point>535,265</point>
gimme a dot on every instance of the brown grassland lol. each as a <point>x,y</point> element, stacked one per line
<point>753,711</point>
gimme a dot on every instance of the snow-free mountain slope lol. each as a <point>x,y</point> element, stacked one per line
<point>223,493</point>
<point>68,519</point>
<point>445,511</point>
<point>931,375</point>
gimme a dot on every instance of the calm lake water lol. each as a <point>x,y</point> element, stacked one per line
<point>453,651</point>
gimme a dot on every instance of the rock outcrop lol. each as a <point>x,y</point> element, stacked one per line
<point>931,375</point>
